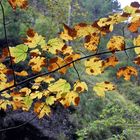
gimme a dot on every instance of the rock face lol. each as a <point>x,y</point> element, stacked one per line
<point>55,127</point>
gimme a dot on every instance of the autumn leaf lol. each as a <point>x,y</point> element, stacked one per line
<point>136,42</point>
<point>34,40</point>
<point>67,50</point>
<point>37,63</point>
<point>68,33</point>
<point>101,87</point>
<point>50,100</point>
<point>127,72</point>
<point>4,104</point>
<point>22,73</point>
<point>110,61</point>
<point>27,102</point>
<point>19,53</point>
<point>71,58</point>
<point>70,97</point>
<point>6,95</point>
<point>134,24</point>
<point>116,43</point>
<point>54,45</point>
<point>80,86</point>
<point>84,29</point>
<point>94,66</point>
<point>18,3</point>
<point>36,94</point>
<point>55,63</point>
<point>60,85</point>
<point>130,9</point>
<point>137,60</point>
<point>41,109</point>
<point>91,42</point>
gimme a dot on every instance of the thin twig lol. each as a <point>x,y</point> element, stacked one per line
<point>77,72</point>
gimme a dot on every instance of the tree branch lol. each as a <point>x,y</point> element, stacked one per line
<point>47,73</point>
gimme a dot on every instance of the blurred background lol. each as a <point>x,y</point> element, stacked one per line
<point>115,117</point>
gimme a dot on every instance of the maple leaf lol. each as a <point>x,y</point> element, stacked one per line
<point>56,63</point>
<point>71,58</point>
<point>70,97</point>
<point>101,87</point>
<point>19,53</point>
<point>33,40</point>
<point>60,85</point>
<point>36,94</point>
<point>94,66</point>
<point>54,45</point>
<point>20,3</point>
<point>91,42</point>
<point>116,43</point>
<point>67,50</point>
<point>37,63</point>
<point>27,102</point>
<point>127,72</point>
<point>110,61</point>
<point>83,29</point>
<point>68,33</point>
<point>80,86</point>
<point>4,104</point>
<point>41,109</point>
<point>6,95</point>
<point>50,100</point>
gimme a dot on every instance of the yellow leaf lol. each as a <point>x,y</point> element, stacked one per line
<point>94,66</point>
<point>37,63</point>
<point>50,100</point>
<point>4,104</point>
<point>22,73</point>
<point>36,94</point>
<point>33,40</point>
<point>54,45</point>
<point>91,42</point>
<point>41,109</point>
<point>136,42</point>
<point>80,86</point>
<point>60,85</point>
<point>101,87</point>
<point>116,43</point>
<point>6,95</point>
<point>70,97</point>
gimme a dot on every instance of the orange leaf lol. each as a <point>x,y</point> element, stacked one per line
<point>110,61</point>
<point>127,72</point>
<point>18,3</point>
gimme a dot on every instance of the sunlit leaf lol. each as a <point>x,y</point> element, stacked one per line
<point>19,53</point>
<point>100,88</point>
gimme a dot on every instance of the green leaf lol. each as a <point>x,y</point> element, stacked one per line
<point>19,53</point>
